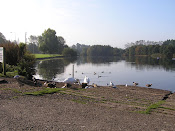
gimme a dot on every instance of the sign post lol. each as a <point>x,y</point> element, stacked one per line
<point>2,59</point>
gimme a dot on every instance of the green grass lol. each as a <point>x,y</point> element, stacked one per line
<point>16,91</point>
<point>167,108</point>
<point>45,91</point>
<point>46,55</point>
<point>9,74</point>
<point>153,106</point>
<point>80,101</point>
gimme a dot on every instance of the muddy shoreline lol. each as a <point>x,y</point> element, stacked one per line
<point>100,108</point>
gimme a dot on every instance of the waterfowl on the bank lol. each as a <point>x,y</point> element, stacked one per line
<point>66,85</point>
<point>86,80</point>
<point>95,73</point>
<point>94,85</point>
<point>71,80</point>
<point>148,85</point>
<point>34,80</point>
<point>16,76</point>
<point>51,85</point>
<point>135,84</point>
<point>111,84</point>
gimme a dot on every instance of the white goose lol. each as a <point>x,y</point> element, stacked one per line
<point>86,80</point>
<point>111,84</point>
<point>71,80</point>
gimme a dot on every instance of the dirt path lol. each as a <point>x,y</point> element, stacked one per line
<point>101,108</point>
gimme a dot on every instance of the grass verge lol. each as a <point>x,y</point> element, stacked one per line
<point>45,91</point>
<point>80,101</point>
<point>153,106</point>
<point>45,55</point>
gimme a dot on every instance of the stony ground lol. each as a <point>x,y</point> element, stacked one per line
<point>100,108</point>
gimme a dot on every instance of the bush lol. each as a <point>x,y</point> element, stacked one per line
<point>26,65</point>
<point>18,55</point>
<point>69,52</point>
<point>12,53</point>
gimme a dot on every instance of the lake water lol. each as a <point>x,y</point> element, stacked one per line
<point>101,70</point>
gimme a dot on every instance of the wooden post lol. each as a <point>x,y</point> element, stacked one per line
<point>4,62</point>
<point>2,59</point>
<point>73,71</point>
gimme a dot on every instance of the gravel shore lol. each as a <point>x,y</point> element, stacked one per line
<point>74,109</point>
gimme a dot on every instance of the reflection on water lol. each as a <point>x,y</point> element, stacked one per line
<point>102,70</point>
<point>48,69</point>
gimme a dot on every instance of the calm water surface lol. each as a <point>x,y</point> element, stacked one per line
<point>144,70</point>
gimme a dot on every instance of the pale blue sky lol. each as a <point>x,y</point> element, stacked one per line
<point>105,22</point>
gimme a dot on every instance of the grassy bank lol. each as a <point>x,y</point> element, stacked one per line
<point>40,56</point>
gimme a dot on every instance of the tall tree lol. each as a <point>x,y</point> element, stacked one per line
<point>48,42</point>
<point>33,39</point>
<point>2,38</point>
<point>61,43</point>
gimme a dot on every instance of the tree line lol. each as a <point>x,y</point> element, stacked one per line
<point>97,50</point>
<point>166,48</point>
<point>50,43</point>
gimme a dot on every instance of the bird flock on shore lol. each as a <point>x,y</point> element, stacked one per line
<point>71,80</point>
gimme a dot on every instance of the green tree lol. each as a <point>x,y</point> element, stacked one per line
<point>99,50</point>
<point>2,38</point>
<point>69,52</point>
<point>168,51</point>
<point>48,42</point>
<point>33,48</point>
<point>26,65</point>
<point>132,50</point>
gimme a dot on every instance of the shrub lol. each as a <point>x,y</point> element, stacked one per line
<point>26,65</point>
<point>69,52</point>
<point>12,53</point>
<point>18,55</point>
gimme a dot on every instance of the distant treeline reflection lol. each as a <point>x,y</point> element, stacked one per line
<point>48,69</point>
<point>149,62</point>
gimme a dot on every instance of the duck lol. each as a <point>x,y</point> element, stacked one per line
<point>51,85</point>
<point>99,76</point>
<point>148,85</point>
<point>86,80</point>
<point>94,85</point>
<point>111,84</point>
<point>34,80</point>
<point>135,84</point>
<point>16,76</point>
<point>71,80</point>
<point>66,85</point>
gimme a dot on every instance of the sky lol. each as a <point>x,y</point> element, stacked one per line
<point>90,22</point>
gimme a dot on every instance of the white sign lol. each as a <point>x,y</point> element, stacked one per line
<point>1,54</point>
